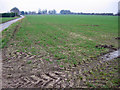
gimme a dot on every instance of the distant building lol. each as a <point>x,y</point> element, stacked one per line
<point>15,10</point>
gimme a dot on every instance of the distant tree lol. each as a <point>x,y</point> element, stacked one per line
<point>22,12</point>
<point>15,10</point>
<point>39,11</point>
<point>29,12</point>
<point>62,12</point>
<point>49,12</point>
<point>33,13</point>
<point>26,13</point>
<point>44,11</point>
<point>52,12</point>
<point>65,12</point>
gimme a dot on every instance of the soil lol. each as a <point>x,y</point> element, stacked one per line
<point>118,38</point>
<point>17,73</point>
<point>110,47</point>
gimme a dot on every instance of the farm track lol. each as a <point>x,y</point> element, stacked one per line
<point>8,23</point>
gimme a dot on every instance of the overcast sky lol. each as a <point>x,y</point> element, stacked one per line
<point>96,6</point>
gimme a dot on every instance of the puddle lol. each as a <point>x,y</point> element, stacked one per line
<point>113,52</point>
<point>111,55</point>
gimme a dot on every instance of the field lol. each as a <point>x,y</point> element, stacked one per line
<point>60,51</point>
<point>5,19</point>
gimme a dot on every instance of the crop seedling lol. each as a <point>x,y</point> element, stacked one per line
<point>29,62</point>
<point>47,59</point>
<point>90,85</point>
<point>61,66</point>
<point>81,77</point>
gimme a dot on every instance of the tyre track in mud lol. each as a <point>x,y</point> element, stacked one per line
<point>47,79</point>
<point>58,79</point>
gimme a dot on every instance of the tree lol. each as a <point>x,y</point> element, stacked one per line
<point>39,11</point>
<point>65,12</point>
<point>26,13</point>
<point>33,12</point>
<point>15,10</point>
<point>52,12</point>
<point>44,12</point>
<point>22,12</point>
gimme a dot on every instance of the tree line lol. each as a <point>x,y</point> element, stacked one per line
<point>53,12</point>
<point>40,12</point>
<point>62,12</point>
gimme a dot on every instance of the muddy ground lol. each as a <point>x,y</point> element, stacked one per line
<point>17,73</point>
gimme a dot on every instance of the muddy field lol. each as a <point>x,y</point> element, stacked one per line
<point>32,61</point>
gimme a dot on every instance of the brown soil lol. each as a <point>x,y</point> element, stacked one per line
<point>118,38</point>
<point>111,48</point>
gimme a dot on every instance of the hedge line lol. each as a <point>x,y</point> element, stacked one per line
<point>7,14</point>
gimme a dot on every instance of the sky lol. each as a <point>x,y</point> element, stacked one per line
<point>86,6</point>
